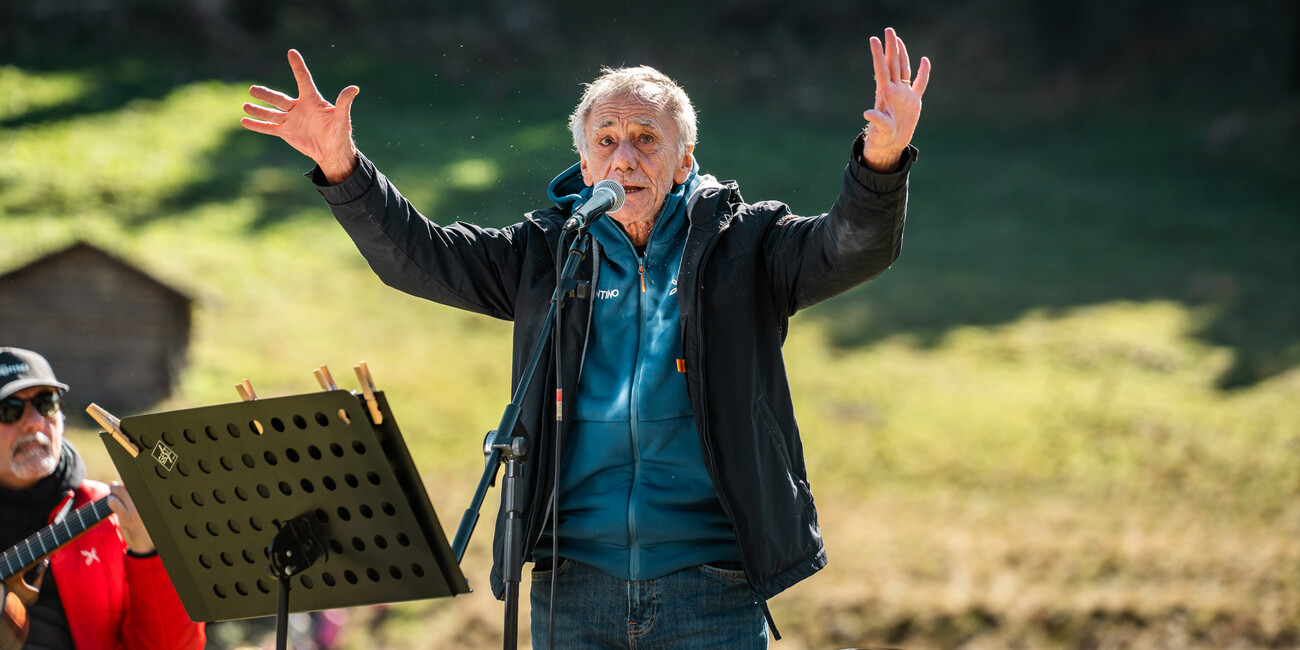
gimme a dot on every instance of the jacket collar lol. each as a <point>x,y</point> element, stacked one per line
<point>708,208</point>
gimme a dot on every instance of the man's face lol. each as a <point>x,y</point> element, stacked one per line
<point>30,447</point>
<point>634,143</point>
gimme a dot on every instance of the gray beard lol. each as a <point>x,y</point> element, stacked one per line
<point>35,463</point>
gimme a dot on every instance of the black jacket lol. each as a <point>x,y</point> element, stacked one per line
<point>745,270</point>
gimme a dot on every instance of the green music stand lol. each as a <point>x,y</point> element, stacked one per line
<point>306,490</point>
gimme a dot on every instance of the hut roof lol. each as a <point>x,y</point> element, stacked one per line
<point>82,248</point>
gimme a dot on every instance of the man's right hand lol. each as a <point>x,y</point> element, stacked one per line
<point>319,130</point>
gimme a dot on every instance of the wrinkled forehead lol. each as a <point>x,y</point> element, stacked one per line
<point>629,110</point>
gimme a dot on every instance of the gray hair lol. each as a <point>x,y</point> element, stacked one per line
<point>642,83</point>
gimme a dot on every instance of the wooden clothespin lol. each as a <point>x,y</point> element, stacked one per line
<point>246,392</point>
<point>368,390</point>
<point>325,378</point>
<point>113,426</point>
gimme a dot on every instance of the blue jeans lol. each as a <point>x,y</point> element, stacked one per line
<point>700,607</point>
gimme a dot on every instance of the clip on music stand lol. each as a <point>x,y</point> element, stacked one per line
<point>322,478</point>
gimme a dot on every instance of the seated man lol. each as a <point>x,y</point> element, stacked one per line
<point>107,588</point>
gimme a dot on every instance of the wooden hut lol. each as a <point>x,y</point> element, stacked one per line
<point>115,335</point>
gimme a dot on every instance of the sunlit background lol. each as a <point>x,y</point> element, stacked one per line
<point>1069,417</point>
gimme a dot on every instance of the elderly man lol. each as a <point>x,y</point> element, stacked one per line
<point>107,588</point>
<point>676,475</point>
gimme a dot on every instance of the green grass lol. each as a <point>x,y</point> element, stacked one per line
<point>1068,414</point>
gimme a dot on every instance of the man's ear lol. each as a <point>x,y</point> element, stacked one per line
<point>586,174</point>
<point>684,169</point>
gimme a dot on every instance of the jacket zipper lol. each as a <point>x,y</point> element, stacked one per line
<point>634,555</point>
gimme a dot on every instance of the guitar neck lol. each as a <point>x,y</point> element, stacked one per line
<point>49,539</point>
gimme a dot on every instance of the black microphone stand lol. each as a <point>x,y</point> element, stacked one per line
<point>502,445</point>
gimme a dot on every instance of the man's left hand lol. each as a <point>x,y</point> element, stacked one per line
<point>128,519</point>
<point>898,102</point>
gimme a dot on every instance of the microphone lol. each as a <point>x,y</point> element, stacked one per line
<point>607,196</point>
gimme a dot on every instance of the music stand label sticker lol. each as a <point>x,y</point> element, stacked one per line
<point>164,455</point>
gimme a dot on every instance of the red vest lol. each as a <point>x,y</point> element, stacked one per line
<point>114,601</point>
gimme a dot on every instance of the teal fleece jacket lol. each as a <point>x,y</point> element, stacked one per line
<point>635,499</point>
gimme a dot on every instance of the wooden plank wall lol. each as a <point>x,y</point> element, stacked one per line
<point>112,333</point>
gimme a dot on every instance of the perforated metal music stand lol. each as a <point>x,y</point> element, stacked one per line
<point>215,485</point>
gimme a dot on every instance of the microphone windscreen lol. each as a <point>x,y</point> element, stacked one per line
<point>614,187</point>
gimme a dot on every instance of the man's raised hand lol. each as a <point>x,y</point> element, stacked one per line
<point>319,130</point>
<point>898,102</point>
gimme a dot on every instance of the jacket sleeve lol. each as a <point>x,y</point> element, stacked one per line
<point>814,258</point>
<point>461,265</point>
<point>155,617</point>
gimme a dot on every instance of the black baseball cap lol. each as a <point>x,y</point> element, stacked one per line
<point>21,369</point>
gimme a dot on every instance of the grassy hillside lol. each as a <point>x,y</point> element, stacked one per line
<point>1067,418</point>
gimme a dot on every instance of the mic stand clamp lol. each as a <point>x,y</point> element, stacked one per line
<point>513,451</point>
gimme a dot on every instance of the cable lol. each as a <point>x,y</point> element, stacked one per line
<point>556,338</point>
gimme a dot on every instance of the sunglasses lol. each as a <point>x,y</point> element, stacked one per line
<point>47,404</point>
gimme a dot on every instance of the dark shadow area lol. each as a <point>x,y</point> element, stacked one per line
<point>480,151</point>
<point>245,165</point>
<point>109,86</point>
<point>1007,221</point>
